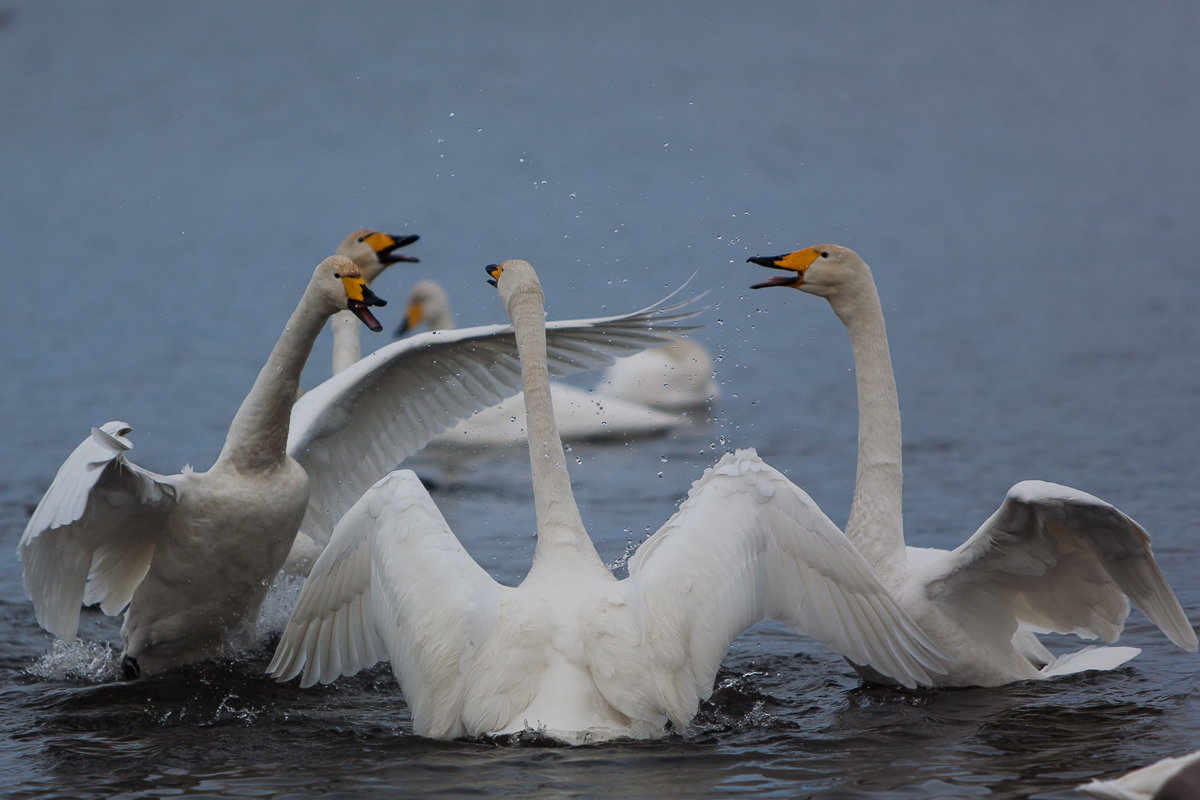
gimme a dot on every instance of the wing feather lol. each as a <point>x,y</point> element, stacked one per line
<point>92,535</point>
<point>1060,560</point>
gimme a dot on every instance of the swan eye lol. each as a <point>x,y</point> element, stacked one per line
<point>824,254</point>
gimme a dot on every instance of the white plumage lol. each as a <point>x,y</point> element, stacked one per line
<point>572,651</point>
<point>1051,558</point>
<point>675,377</point>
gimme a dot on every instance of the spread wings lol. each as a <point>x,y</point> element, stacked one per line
<point>748,545</point>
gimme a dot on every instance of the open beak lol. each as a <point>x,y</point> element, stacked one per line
<point>360,299</point>
<point>795,263</point>
<point>494,271</point>
<point>385,246</point>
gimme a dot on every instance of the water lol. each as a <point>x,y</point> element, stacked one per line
<point>1020,177</point>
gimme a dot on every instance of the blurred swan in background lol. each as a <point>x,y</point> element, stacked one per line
<point>581,414</point>
<point>676,377</point>
<point>573,652</point>
<point>1051,558</point>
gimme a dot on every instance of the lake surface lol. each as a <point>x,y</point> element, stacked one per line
<point>1021,177</point>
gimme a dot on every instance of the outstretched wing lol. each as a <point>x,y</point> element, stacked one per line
<point>352,429</point>
<point>1060,560</point>
<point>749,545</point>
<point>394,583</point>
<point>91,536</point>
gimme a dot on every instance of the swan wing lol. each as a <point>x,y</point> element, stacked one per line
<point>92,535</point>
<point>1057,559</point>
<point>749,545</point>
<point>393,584</point>
<point>353,428</point>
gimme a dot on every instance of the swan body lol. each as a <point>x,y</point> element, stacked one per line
<point>1051,558</point>
<point>572,651</point>
<point>581,414</point>
<point>190,554</point>
<point>676,377</point>
<point>1168,779</point>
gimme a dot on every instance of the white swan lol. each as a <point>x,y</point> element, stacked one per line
<point>373,252</point>
<point>1051,558</point>
<point>192,554</point>
<point>580,414</point>
<point>572,651</point>
<point>1168,779</point>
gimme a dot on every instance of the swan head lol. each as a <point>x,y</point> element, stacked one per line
<point>341,283</point>
<point>821,270</point>
<point>427,302</point>
<point>374,252</point>
<point>513,278</point>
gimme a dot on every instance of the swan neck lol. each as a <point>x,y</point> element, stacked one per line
<point>347,350</point>
<point>875,525</point>
<point>257,437</point>
<point>559,526</point>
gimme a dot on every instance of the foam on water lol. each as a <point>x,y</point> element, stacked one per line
<point>90,662</point>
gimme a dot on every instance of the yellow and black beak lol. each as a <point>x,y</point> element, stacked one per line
<point>494,271</point>
<point>359,299</point>
<point>413,314</point>
<point>796,262</point>
<point>385,246</point>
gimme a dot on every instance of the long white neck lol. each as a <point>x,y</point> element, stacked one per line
<point>257,438</point>
<point>876,523</point>
<point>560,533</point>
<point>346,347</point>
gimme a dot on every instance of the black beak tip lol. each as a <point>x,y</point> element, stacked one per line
<point>492,281</point>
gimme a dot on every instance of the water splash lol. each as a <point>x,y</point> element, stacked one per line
<point>90,662</point>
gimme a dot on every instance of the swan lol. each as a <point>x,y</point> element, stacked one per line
<point>1169,779</point>
<point>373,252</point>
<point>1051,558</point>
<point>572,651</point>
<point>192,554</point>
<point>581,415</point>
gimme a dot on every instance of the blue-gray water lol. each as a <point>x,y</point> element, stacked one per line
<point>1022,178</point>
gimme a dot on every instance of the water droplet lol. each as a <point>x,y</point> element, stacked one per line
<point>660,474</point>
